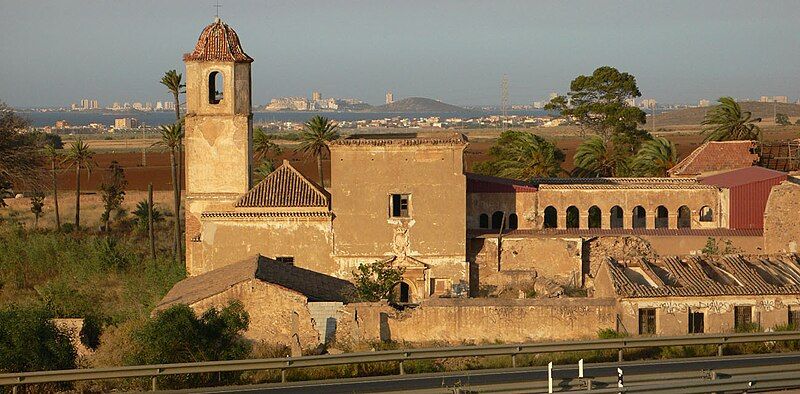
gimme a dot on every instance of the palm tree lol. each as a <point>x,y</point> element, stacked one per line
<point>263,147</point>
<point>314,138</point>
<point>171,137</point>
<point>594,158</point>
<point>173,81</point>
<point>727,122</point>
<point>51,152</point>
<point>655,157</point>
<point>523,156</point>
<point>79,156</point>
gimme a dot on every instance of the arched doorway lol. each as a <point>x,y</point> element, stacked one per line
<point>639,217</point>
<point>513,221</point>
<point>617,217</point>
<point>662,217</point>
<point>402,292</point>
<point>684,217</point>
<point>550,217</point>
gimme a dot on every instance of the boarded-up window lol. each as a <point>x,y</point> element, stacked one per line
<point>647,321</point>
<point>400,205</point>
<point>696,322</point>
<point>794,317</point>
<point>743,318</point>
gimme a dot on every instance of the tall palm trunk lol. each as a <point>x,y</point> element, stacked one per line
<point>176,97</point>
<point>77,197</point>
<point>177,105</point>
<point>319,168</point>
<point>176,193</point>
<point>55,194</point>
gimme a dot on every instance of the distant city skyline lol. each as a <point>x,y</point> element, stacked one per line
<point>56,52</point>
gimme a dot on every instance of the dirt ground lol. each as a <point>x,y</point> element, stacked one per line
<point>157,169</point>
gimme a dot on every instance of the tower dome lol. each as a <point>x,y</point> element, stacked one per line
<point>218,42</point>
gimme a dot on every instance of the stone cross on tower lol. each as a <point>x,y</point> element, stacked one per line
<point>217,6</point>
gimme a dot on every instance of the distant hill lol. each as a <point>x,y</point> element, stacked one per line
<point>418,104</point>
<point>693,116</point>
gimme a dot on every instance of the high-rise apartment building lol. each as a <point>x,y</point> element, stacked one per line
<point>389,97</point>
<point>703,103</point>
<point>315,96</point>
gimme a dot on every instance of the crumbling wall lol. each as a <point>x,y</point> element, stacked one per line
<point>524,264</point>
<point>782,218</point>
<point>277,315</point>
<point>479,320</point>
<point>597,250</point>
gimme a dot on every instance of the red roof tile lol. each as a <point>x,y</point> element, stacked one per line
<point>285,187</point>
<point>218,42</point>
<point>716,156</point>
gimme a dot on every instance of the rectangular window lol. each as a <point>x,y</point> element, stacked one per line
<point>285,259</point>
<point>647,321</point>
<point>400,204</point>
<point>696,322</point>
<point>794,316</point>
<point>742,317</point>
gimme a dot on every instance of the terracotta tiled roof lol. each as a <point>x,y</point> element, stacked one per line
<point>598,232</point>
<point>285,187</point>
<point>706,276</point>
<point>717,156</point>
<point>477,183</point>
<point>218,42</point>
<point>313,285</point>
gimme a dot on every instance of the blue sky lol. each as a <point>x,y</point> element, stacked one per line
<point>56,52</point>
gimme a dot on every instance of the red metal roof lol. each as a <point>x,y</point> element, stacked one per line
<point>489,184</point>
<point>218,42</point>
<point>743,176</point>
<point>749,190</point>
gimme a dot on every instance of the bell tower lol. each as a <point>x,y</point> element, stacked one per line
<point>218,129</point>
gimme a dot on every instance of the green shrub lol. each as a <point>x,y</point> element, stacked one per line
<point>29,341</point>
<point>610,333</point>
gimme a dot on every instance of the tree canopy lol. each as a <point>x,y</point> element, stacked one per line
<point>522,155</point>
<point>727,122</point>
<point>19,150</point>
<point>29,341</point>
<point>599,102</point>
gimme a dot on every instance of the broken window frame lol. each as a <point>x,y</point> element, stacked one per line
<point>400,205</point>
<point>647,321</point>
<point>696,326</point>
<point>742,317</point>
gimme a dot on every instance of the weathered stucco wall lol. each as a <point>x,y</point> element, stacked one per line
<point>521,203</point>
<point>672,314</point>
<point>782,218</point>
<point>365,175</point>
<point>670,196</point>
<point>308,240</point>
<point>479,320</point>
<point>276,314</point>
<point>523,262</point>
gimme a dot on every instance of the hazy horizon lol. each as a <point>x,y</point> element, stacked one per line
<point>57,52</point>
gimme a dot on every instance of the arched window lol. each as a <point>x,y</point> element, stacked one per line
<point>483,221</point>
<point>550,217</point>
<point>216,86</point>
<point>617,217</point>
<point>513,221</point>
<point>639,217</point>
<point>706,214</point>
<point>497,220</point>
<point>595,217</point>
<point>684,217</point>
<point>662,217</point>
<point>573,217</point>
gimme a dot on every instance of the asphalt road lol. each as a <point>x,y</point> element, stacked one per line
<point>537,376</point>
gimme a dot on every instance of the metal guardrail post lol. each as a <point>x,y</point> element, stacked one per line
<point>13,389</point>
<point>513,360</point>
<point>153,383</point>
<point>588,384</point>
<point>619,355</point>
<point>283,375</point>
<point>402,369</point>
<point>720,349</point>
